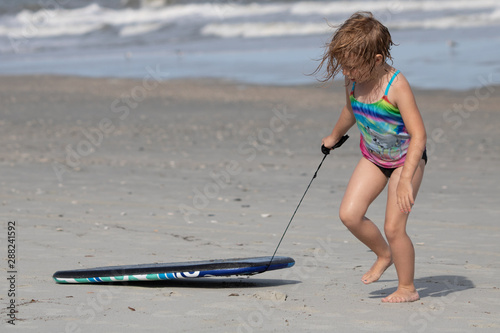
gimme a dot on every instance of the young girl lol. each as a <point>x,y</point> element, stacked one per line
<point>380,101</point>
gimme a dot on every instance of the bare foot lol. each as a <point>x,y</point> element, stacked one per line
<point>402,295</point>
<point>376,271</point>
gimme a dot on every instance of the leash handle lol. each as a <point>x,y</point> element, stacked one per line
<point>343,139</point>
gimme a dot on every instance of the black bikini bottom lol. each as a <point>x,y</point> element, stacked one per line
<point>388,171</point>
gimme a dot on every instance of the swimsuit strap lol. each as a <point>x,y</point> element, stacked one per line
<point>390,82</point>
<point>388,85</point>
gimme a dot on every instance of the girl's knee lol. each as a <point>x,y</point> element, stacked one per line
<point>393,232</point>
<point>348,217</point>
<point>343,215</point>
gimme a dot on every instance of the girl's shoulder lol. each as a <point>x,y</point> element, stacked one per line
<point>400,90</point>
<point>399,81</point>
<point>398,85</point>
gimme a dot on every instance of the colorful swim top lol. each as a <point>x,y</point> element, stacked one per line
<point>384,139</point>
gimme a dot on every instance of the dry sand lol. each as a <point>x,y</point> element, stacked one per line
<point>100,172</point>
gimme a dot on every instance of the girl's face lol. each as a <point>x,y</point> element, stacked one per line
<point>360,71</point>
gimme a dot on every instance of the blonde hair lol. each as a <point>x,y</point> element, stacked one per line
<point>356,42</point>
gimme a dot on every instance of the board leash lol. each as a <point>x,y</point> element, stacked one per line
<point>325,151</point>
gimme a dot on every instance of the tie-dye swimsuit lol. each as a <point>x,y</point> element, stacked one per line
<point>384,139</point>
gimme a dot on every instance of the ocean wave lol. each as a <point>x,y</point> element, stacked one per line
<point>455,21</point>
<point>241,19</point>
<point>139,29</point>
<point>391,6</point>
<point>274,29</point>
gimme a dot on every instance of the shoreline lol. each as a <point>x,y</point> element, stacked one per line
<point>227,81</point>
<point>210,88</point>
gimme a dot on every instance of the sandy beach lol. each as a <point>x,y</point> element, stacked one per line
<point>99,172</point>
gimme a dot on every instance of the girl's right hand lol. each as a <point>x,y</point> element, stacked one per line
<point>329,141</point>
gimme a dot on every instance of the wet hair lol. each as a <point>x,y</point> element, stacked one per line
<point>355,43</point>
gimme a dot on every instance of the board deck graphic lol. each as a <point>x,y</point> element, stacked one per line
<point>171,271</point>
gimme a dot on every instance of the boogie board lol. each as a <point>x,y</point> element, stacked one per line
<point>171,271</point>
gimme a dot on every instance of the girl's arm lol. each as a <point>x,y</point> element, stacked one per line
<point>344,123</point>
<point>405,101</point>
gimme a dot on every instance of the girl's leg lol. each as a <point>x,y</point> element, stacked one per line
<point>365,185</point>
<point>403,253</point>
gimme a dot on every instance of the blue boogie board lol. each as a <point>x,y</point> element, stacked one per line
<point>171,271</point>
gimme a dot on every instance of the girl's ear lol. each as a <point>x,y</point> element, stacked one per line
<point>379,59</point>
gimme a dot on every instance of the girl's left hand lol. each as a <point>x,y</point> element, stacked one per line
<point>404,193</point>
